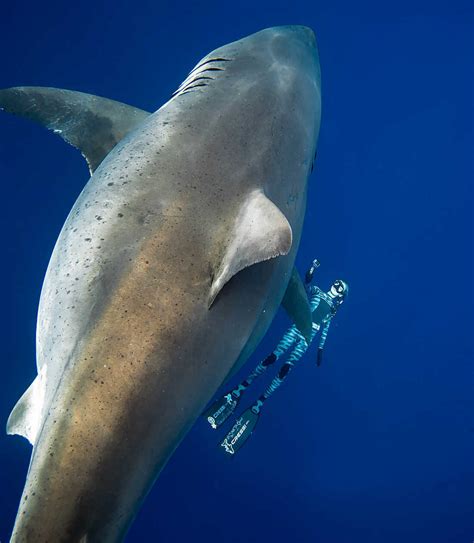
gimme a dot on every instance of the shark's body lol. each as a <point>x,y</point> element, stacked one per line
<point>151,299</point>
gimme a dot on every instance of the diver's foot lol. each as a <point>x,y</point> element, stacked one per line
<point>257,406</point>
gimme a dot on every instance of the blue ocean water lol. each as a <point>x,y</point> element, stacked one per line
<point>378,443</point>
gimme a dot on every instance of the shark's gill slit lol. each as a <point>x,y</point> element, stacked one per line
<point>197,75</point>
<point>189,89</point>
<point>209,61</point>
<point>188,85</point>
<point>205,77</point>
<point>193,77</point>
<point>212,70</point>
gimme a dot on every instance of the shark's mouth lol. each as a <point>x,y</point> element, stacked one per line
<point>201,75</point>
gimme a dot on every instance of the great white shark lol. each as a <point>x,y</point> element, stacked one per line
<point>166,274</point>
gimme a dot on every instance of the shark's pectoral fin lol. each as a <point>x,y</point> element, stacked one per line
<point>260,232</point>
<point>92,124</point>
<point>25,419</point>
<point>296,304</point>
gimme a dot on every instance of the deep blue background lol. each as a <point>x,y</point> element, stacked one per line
<point>377,444</point>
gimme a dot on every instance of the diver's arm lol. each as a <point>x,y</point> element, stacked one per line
<point>322,341</point>
<point>314,295</point>
<point>310,273</point>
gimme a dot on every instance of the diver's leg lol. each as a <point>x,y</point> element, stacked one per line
<point>272,387</point>
<point>290,337</point>
<point>260,369</point>
<point>294,357</point>
<point>288,340</point>
<point>222,408</point>
<point>284,344</point>
<point>245,424</point>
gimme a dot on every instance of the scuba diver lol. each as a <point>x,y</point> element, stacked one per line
<point>324,306</point>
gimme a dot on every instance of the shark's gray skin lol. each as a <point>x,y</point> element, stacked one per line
<point>166,274</point>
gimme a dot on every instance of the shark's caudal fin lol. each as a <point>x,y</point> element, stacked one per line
<point>25,419</point>
<point>260,232</point>
<point>296,304</point>
<point>92,124</point>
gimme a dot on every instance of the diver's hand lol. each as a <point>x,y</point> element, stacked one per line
<point>319,359</point>
<point>309,274</point>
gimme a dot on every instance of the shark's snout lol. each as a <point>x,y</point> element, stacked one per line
<point>290,49</point>
<point>303,33</point>
<point>295,34</point>
<point>293,44</point>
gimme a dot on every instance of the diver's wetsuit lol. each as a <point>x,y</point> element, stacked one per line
<point>323,308</point>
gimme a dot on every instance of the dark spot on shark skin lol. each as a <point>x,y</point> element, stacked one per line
<point>120,215</point>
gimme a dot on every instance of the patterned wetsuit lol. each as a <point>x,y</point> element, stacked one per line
<point>323,308</point>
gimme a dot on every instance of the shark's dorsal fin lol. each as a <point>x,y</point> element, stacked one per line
<point>92,124</point>
<point>260,232</point>
<point>26,417</point>
<point>296,304</point>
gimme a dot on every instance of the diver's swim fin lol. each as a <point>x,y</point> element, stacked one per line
<point>241,431</point>
<point>221,410</point>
